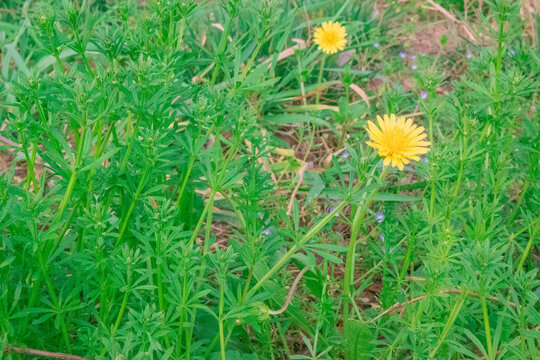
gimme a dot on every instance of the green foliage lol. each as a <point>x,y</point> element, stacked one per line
<point>187,180</point>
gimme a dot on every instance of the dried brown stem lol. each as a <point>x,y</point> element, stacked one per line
<point>42,353</point>
<point>290,294</point>
<point>293,195</point>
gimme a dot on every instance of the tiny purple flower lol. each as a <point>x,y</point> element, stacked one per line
<point>376,44</point>
<point>511,166</point>
<point>425,159</point>
<point>345,154</point>
<point>469,54</point>
<point>379,217</point>
<point>402,55</point>
<point>332,209</point>
<point>511,52</point>
<point>424,95</point>
<point>414,67</point>
<point>533,107</point>
<point>381,237</point>
<point>266,231</point>
<point>413,57</point>
<point>516,149</point>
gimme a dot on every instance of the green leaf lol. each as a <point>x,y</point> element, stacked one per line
<point>395,197</point>
<point>312,178</point>
<point>358,336</point>
<point>17,59</point>
<point>282,119</point>
<point>6,262</point>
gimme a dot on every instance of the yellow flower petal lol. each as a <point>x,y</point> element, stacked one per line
<point>397,140</point>
<point>330,37</point>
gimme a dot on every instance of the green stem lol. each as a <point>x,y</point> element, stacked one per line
<point>130,144</point>
<point>209,203</point>
<point>82,50</point>
<point>498,66</point>
<point>532,236</point>
<point>73,177</point>
<point>251,60</point>
<point>67,195</point>
<point>31,177</point>
<point>297,246</point>
<point>486,327</point>
<point>186,178</point>
<point>350,259</point>
<point>183,310</point>
<point>54,298</point>
<point>319,79</point>
<point>159,275</point>
<point>140,186</point>
<point>463,153</point>
<point>221,334</point>
<point>408,257</point>
<point>103,302</point>
<point>451,319</point>
<point>223,43</point>
<point>59,62</point>
<point>122,307</point>
<point>120,313</point>
<point>432,183</point>
<point>208,209</point>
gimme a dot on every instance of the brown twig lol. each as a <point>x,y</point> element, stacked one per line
<point>290,294</point>
<point>398,306</point>
<point>293,195</point>
<point>42,353</point>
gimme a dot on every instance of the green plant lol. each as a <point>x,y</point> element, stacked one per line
<point>190,179</point>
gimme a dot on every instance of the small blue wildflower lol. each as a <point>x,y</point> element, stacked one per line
<point>511,166</point>
<point>402,55</point>
<point>376,44</point>
<point>332,209</point>
<point>424,95</point>
<point>414,67</point>
<point>266,231</point>
<point>425,159</point>
<point>511,52</point>
<point>469,55</point>
<point>379,217</point>
<point>345,154</point>
<point>533,107</point>
<point>413,57</point>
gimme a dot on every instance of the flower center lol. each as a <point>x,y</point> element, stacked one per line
<point>331,37</point>
<point>396,140</point>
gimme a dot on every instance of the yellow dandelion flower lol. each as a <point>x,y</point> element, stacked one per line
<point>398,140</point>
<point>330,37</point>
